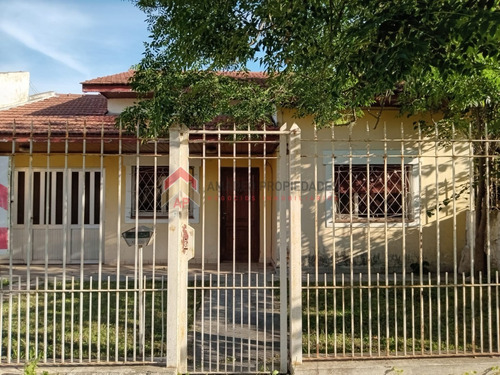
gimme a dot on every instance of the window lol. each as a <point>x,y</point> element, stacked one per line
<point>382,188</point>
<point>376,192</point>
<point>147,190</point>
<point>47,197</point>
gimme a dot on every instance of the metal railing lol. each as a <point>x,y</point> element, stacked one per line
<point>417,274</point>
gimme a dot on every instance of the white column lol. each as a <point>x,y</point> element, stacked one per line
<point>177,258</point>
<point>283,250</point>
<point>294,158</point>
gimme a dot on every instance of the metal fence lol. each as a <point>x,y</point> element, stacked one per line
<point>308,244</point>
<point>393,266</point>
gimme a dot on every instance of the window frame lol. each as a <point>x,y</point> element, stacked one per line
<point>130,165</point>
<point>375,158</point>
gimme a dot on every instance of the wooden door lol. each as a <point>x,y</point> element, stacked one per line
<point>239,215</point>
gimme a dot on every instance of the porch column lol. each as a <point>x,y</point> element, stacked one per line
<point>178,213</point>
<point>294,158</point>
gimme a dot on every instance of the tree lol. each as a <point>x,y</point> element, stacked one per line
<point>325,58</point>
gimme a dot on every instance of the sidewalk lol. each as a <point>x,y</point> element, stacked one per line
<point>420,366</point>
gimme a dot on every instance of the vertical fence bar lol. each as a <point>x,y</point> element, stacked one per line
<point>66,236</point>
<point>386,247</point>
<point>250,239</point>
<point>379,332</point>
<point>118,245</point>
<point>405,212</point>
<point>37,322</point>
<point>54,321</point>
<point>72,321</point>
<point>83,202</point>
<point>368,243</point>
<point>353,209</point>
<point>203,234</point>
<point>153,266</point>
<point>90,306</point>
<point>420,246</point>
<point>219,213</point>
<point>438,238</point>
<point>108,316</point>
<point>14,177</point>
<point>29,252</point>
<point>135,330</point>
<point>101,238</point>
<point>472,231</point>
<point>334,247</point>
<point>455,255</point>
<point>488,236</point>
<point>464,312</point>
<point>316,239</point>
<point>264,239</point>
<point>45,188</point>
<point>233,192</point>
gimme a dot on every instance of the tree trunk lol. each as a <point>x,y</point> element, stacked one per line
<point>481,212</point>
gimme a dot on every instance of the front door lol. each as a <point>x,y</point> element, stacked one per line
<point>239,204</point>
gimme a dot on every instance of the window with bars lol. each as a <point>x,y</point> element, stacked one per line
<point>147,190</point>
<point>375,193</point>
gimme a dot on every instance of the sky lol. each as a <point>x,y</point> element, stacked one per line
<point>64,42</point>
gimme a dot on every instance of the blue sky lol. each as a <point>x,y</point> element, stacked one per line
<point>64,42</point>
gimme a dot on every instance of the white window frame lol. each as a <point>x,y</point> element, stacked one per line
<point>148,161</point>
<point>376,157</point>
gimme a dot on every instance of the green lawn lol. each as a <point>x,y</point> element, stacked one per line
<point>65,323</point>
<point>357,320</point>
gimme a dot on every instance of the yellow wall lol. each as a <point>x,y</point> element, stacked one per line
<point>394,244</point>
<point>115,248</point>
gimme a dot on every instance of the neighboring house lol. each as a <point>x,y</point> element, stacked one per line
<point>360,218</point>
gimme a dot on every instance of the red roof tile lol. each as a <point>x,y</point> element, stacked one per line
<point>124,77</point>
<point>114,79</point>
<point>69,110</point>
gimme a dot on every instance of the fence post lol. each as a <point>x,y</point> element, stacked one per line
<point>283,250</point>
<point>295,247</point>
<point>177,259</point>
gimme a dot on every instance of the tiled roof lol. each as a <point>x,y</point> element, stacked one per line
<point>124,77</point>
<point>114,79</point>
<point>73,111</point>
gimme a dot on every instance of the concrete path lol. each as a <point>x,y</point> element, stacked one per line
<point>236,328</point>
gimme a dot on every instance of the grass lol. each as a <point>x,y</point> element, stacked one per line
<point>357,320</point>
<point>68,323</point>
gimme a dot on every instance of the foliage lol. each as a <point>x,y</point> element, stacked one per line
<point>328,59</point>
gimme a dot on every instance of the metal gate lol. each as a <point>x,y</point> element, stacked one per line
<point>238,282</point>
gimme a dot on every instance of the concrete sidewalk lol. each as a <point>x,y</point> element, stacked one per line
<point>421,366</point>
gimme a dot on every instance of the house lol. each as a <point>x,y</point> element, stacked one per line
<point>369,194</point>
